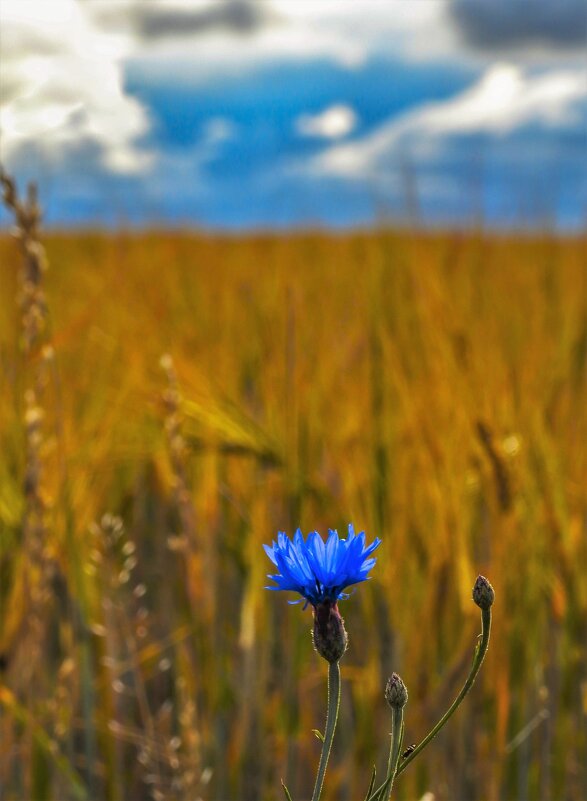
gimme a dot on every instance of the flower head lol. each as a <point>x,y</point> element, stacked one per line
<point>320,571</point>
<point>483,593</point>
<point>329,634</point>
<point>396,693</point>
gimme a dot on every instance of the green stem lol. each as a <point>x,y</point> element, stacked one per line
<point>331,718</point>
<point>397,735</point>
<point>383,792</point>
<point>480,652</point>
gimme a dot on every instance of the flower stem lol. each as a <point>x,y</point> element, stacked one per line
<point>331,718</point>
<point>480,652</point>
<point>397,735</point>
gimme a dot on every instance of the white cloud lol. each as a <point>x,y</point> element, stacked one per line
<point>220,36</point>
<point>218,130</point>
<point>333,123</point>
<point>503,100</point>
<point>211,44</point>
<point>61,86</point>
<point>228,36</point>
<point>394,28</point>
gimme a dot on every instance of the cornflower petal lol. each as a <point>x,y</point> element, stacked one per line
<point>332,544</point>
<point>315,554</point>
<point>376,542</point>
<point>318,570</point>
<point>270,553</point>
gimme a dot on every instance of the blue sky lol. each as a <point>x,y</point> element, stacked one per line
<point>239,114</point>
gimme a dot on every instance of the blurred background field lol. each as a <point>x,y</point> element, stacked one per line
<point>429,388</point>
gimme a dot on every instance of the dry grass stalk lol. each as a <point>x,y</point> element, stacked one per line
<point>151,725</point>
<point>176,447</point>
<point>38,353</point>
<point>185,542</point>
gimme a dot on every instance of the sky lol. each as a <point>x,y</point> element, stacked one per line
<point>279,114</point>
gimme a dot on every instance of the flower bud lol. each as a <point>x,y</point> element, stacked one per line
<point>396,694</point>
<point>329,635</point>
<point>483,593</point>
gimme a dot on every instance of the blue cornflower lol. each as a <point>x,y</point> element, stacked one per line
<point>319,570</point>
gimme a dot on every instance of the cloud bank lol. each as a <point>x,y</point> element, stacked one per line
<point>504,100</point>
<point>502,24</point>
<point>275,112</point>
<point>62,91</point>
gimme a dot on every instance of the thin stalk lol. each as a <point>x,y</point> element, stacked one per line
<point>383,792</point>
<point>331,718</point>
<point>397,735</point>
<point>480,652</point>
<point>45,742</point>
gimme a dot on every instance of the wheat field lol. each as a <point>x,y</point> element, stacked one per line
<point>189,395</point>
